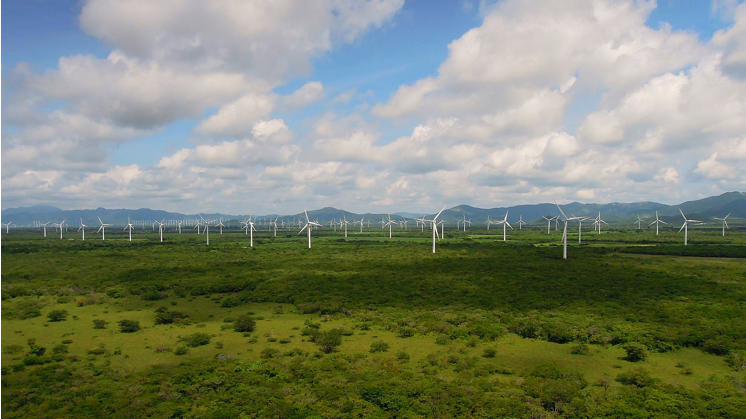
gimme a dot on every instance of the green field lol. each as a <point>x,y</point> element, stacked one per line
<point>372,326</point>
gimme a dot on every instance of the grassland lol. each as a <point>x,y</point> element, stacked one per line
<point>481,328</point>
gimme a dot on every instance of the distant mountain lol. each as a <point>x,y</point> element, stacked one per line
<point>616,212</point>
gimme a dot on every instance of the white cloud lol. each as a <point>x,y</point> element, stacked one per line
<point>237,118</point>
<point>305,95</point>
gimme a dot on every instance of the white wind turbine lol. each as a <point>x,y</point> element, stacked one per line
<point>598,221</point>
<point>309,224</point>
<point>7,227</point>
<point>221,225</point>
<point>160,229</point>
<point>178,224</point>
<point>44,228</point>
<point>197,224</point>
<point>725,223</point>
<point>102,228</point>
<point>580,228</point>
<point>465,222</point>
<point>274,226</point>
<point>82,228</point>
<point>565,218</point>
<point>361,224</point>
<point>685,226</point>
<point>505,224</point>
<point>388,223</point>
<point>521,222</point>
<point>344,223</point>
<point>434,224</point>
<point>251,229</point>
<point>129,227</point>
<point>639,221</point>
<point>549,222</point>
<point>207,229</point>
<point>61,226</point>
<point>657,222</point>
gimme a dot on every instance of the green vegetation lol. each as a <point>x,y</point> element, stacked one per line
<point>631,325</point>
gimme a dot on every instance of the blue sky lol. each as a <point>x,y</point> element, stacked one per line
<point>352,109</point>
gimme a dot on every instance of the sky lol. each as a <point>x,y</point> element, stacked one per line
<point>374,105</point>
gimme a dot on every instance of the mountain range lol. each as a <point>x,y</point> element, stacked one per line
<point>616,212</point>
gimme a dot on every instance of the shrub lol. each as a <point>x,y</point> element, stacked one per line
<point>638,377</point>
<point>196,339</point>
<point>402,356</point>
<point>181,350</point>
<point>269,353</point>
<point>442,340</point>
<point>60,349</point>
<point>635,352</point>
<point>29,312</point>
<point>379,346</point>
<point>57,315</point>
<point>114,293</point>
<point>406,332</point>
<point>717,346</point>
<point>244,323</point>
<point>228,302</point>
<point>129,326</point>
<point>153,295</point>
<point>579,349</point>
<point>34,349</point>
<point>164,316</point>
<point>99,323</point>
<point>489,353</point>
<point>328,340</point>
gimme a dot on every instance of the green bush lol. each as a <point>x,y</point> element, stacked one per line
<point>165,316</point>
<point>328,340</point>
<point>99,323</point>
<point>228,302</point>
<point>379,346</point>
<point>716,346</point>
<point>635,352</point>
<point>579,349</point>
<point>57,315</point>
<point>489,353</point>
<point>402,356</point>
<point>244,323</point>
<point>196,339</point>
<point>35,349</point>
<point>181,350</point>
<point>268,353</point>
<point>129,326</point>
<point>638,377</point>
<point>405,332</point>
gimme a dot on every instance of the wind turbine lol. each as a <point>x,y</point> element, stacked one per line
<point>221,225</point>
<point>361,224</point>
<point>505,224</point>
<point>685,226</point>
<point>580,228</point>
<point>389,223</point>
<point>7,227</point>
<point>207,229</point>
<point>658,221</point>
<point>82,228</point>
<point>549,222</point>
<point>639,221</point>
<point>102,229</point>
<point>197,224</point>
<point>521,222</point>
<point>344,223</point>
<point>565,218</point>
<point>434,224</point>
<point>160,229</point>
<point>274,225</point>
<point>403,223</point>
<point>178,223</point>
<point>309,224</point>
<point>725,223</point>
<point>465,222</point>
<point>598,221</point>
<point>61,226</point>
<point>44,228</point>
<point>129,227</point>
<point>251,229</point>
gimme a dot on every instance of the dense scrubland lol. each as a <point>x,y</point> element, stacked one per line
<point>631,325</point>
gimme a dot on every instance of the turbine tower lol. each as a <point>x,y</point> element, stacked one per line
<point>361,224</point>
<point>725,223</point>
<point>129,227</point>
<point>309,224</point>
<point>82,228</point>
<point>251,229</point>
<point>61,226</point>
<point>657,222</point>
<point>160,229</point>
<point>639,222</point>
<point>521,222</point>
<point>549,222</point>
<point>207,229</point>
<point>221,225</point>
<point>274,226</point>
<point>44,228</point>
<point>580,228</point>
<point>178,224</point>
<point>465,222</point>
<point>102,229</point>
<point>389,223</point>
<point>344,223</point>
<point>565,218</point>
<point>685,226</point>
<point>7,227</point>
<point>434,224</point>
<point>505,224</point>
<point>598,221</point>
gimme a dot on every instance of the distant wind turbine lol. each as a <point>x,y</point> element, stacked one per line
<point>598,221</point>
<point>521,222</point>
<point>465,222</point>
<point>102,228</point>
<point>309,224</point>
<point>221,225</point>
<point>344,223</point>
<point>505,224</point>
<point>685,226</point>
<point>207,229</point>
<point>160,229</point>
<point>580,228</point>
<point>434,224</point>
<point>274,226</point>
<point>178,223</point>
<point>389,223</point>
<point>639,221</point>
<point>251,229</point>
<point>129,227</point>
<point>725,223</point>
<point>361,224</point>
<point>549,222</point>
<point>61,226</point>
<point>7,227</point>
<point>657,222</point>
<point>82,228</point>
<point>44,228</point>
<point>565,219</point>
